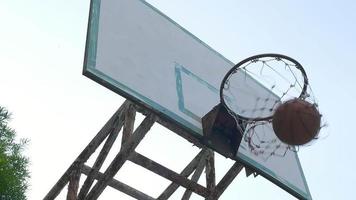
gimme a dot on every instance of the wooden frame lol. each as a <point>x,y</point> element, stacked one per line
<point>124,119</point>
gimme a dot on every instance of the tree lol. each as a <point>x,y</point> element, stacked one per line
<point>14,174</point>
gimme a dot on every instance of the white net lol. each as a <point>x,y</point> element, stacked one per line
<point>258,86</point>
<point>254,89</point>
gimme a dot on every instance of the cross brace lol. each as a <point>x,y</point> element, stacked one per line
<point>124,118</point>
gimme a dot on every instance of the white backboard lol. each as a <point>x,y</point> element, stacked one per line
<point>138,52</point>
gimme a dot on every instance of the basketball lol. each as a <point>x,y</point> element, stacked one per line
<point>296,122</point>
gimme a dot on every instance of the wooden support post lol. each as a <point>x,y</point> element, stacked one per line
<point>210,171</point>
<point>249,172</point>
<point>129,124</point>
<point>122,156</point>
<point>118,185</point>
<point>98,162</point>
<point>168,174</point>
<point>196,175</point>
<point>125,117</point>
<point>114,121</point>
<point>73,184</point>
<point>129,116</point>
<point>186,134</point>
<point>225,181</point>
<point>185,173</point>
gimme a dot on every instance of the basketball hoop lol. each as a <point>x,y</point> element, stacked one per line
<point>275,72</point>
<point>285,90</point>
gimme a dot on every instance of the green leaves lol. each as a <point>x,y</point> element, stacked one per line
<point>13,165</point>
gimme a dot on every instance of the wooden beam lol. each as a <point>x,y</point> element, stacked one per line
<point>122,156</point>
<point>226,181</point>
<point>99,161</point>
<point>196,176</point>
<point>168,123</point>
<point>129,116</point>
<point>128,124</point>
<point>73,185</point>
<point>186,172</point>
<point>125,116</point>
<point>118,185</point>
<point>114,121</point>
<point>248,172</point>
<point>168,174</point>
<point>210,171</point>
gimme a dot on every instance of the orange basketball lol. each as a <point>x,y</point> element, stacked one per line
<point>296,122</point>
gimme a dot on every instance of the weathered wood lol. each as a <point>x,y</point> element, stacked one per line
<point>73,185</point>
<point>249,172</point>
<point>128,124</point>
<point>124,117</point>
<point>99,161</point>
<point>186,172</point>
<point>196,176</point>
<point>169,124</point>
<point>226,181</point>
<point>122,156</point>
<point>210,171</point>
<point>118,185</point>
<point>168,174</point>
<point>116,119</point>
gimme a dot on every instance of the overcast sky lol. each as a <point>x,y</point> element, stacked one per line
<point>41,52</point>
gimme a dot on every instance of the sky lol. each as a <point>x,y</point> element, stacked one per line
<point>42,49</point>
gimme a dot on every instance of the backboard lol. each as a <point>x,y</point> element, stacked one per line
<point>138,52</point>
